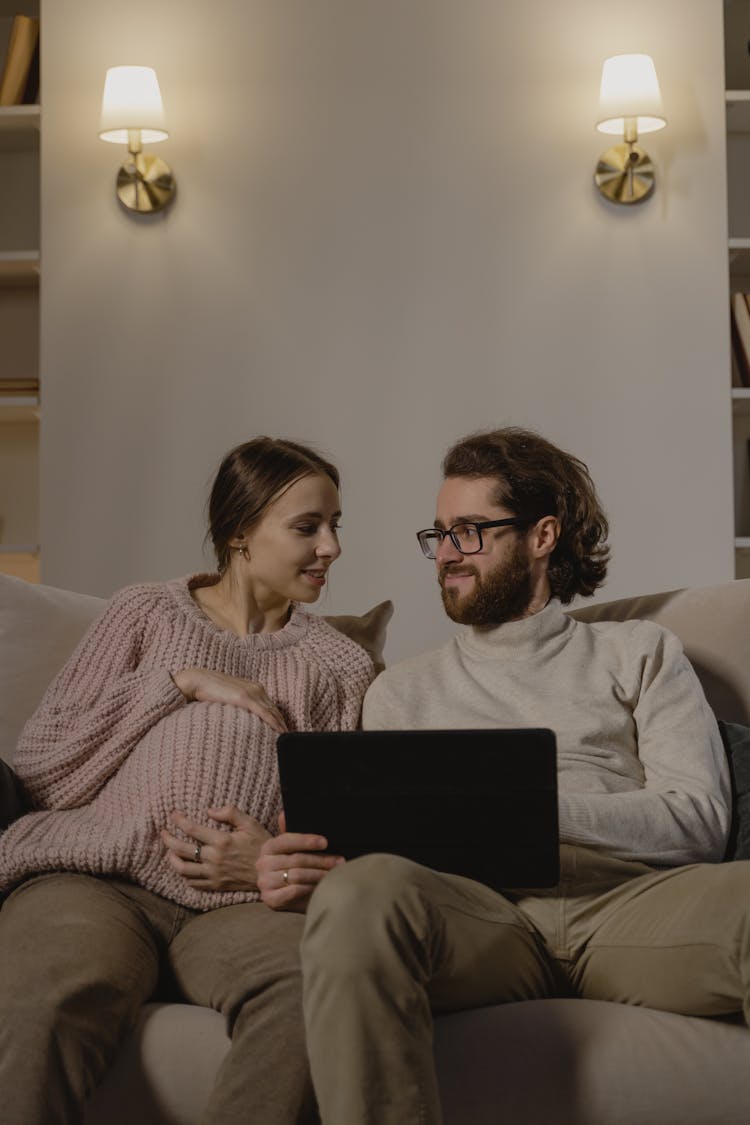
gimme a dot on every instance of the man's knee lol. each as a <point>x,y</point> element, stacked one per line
<point>369,885</point>
<point>360,907</point>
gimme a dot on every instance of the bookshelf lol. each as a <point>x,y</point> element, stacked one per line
<point>19,127</point>
<point>737,99</point>
<point>19,322</point>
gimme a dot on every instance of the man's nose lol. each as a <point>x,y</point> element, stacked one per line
<point>447,551</point>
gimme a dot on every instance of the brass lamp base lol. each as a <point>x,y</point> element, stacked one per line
<point>625,174</point>
<point>145,183</point>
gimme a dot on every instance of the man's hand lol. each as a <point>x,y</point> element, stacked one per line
<point>205,686</point>
<point>290,867</point>
<point>226,860</point>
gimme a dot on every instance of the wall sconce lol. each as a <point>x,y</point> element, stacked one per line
<point>629,103</point>
<point>133,114</point>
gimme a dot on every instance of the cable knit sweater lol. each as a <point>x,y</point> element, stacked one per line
<point>115,747</point>
<point>642,773</point>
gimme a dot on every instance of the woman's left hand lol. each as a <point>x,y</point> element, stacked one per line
<point>213,860</point>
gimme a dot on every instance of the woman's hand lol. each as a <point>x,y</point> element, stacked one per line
<point>225,861</point>
<point>216,687</point>
<point>290,868</point>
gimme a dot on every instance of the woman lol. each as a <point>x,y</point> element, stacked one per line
<point>170,707</point>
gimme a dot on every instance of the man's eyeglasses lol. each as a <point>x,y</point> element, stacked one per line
<point>465,537</point>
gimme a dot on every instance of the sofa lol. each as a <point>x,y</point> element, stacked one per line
<point>540,1062</point>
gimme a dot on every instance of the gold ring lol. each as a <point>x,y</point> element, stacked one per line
<point>285,877</point>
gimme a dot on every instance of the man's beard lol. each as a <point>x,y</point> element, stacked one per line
<point>503,594</point>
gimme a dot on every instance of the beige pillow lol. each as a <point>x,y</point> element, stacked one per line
<point>41,625</point>
<point>39,628</point>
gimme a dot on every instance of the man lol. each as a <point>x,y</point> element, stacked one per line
<point>643,913</point>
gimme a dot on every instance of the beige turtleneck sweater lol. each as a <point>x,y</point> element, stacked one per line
<point>641,769</point>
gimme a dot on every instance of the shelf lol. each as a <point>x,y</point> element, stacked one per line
<point>739,257</point>
<point>738,111</point>
<point>742,543</point>
<point>19,268</point>
<point>19,408</point>
<point>19,127</point>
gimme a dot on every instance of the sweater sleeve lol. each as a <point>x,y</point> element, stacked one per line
<point>96,709</point>
<point>681,814</point>
<point>348,671</point>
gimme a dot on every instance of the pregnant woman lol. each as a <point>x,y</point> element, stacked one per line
<point>166,713</point>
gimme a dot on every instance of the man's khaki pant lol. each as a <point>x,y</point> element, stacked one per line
<point>80,955</point>
<point>387,942</point>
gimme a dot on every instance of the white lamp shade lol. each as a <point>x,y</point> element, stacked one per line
<point>630,88</point>
<point>132,100</point>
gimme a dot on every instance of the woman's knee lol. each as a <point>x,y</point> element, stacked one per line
<point>62,949</point>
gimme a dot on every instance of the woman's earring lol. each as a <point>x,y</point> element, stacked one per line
<point>243,551</point>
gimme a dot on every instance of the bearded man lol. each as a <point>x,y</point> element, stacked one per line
<point>644,912</point>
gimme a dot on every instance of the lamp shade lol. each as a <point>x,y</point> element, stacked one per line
<point>132,100</point>
<point>630,88</point>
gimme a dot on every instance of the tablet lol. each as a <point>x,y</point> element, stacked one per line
<point>478,803</point>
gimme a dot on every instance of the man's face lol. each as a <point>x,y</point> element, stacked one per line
<point>494,585</point>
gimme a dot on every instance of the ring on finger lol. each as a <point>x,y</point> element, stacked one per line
<point>285,877</point>
<point>197,854</point>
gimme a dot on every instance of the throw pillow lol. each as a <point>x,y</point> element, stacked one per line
<point>39,628</point>
<point>736,739</point>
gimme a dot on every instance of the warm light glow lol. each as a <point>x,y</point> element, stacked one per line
<point>132,100</point>
<point>630,88</point>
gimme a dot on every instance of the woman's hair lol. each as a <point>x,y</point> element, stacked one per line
<point>249,479</point>
<point>535,479</point>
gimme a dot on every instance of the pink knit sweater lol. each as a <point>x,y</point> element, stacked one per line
<point>114,746</point>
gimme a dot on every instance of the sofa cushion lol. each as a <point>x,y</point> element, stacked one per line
<point>41,625</point>
<point>533,1062</point>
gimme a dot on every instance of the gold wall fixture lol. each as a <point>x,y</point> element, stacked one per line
<point>133,114</point>
<point>629,104</point>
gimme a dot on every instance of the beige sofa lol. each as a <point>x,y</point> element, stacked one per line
<point>543,1062</point>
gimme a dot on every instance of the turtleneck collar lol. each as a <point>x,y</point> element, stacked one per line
<point>521,638</point>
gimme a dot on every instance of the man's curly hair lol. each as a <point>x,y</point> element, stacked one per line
<point>536,479</point>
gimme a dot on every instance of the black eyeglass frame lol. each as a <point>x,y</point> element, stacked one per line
<point>512,521</point>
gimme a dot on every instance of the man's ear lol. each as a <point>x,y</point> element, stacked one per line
<point>544,536</point>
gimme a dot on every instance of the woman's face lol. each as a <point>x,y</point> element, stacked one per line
<point>295,542</point>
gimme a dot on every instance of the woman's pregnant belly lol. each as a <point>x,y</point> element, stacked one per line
<point>204,755</point>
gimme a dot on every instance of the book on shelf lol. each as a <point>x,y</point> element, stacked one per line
<point>740,340</point>
<point>17,82</point>
<point>30,94</point>
<point>736,373</point>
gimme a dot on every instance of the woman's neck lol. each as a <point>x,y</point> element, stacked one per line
<point>235,606</point>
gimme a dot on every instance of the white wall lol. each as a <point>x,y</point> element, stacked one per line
<point>386,235</point>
